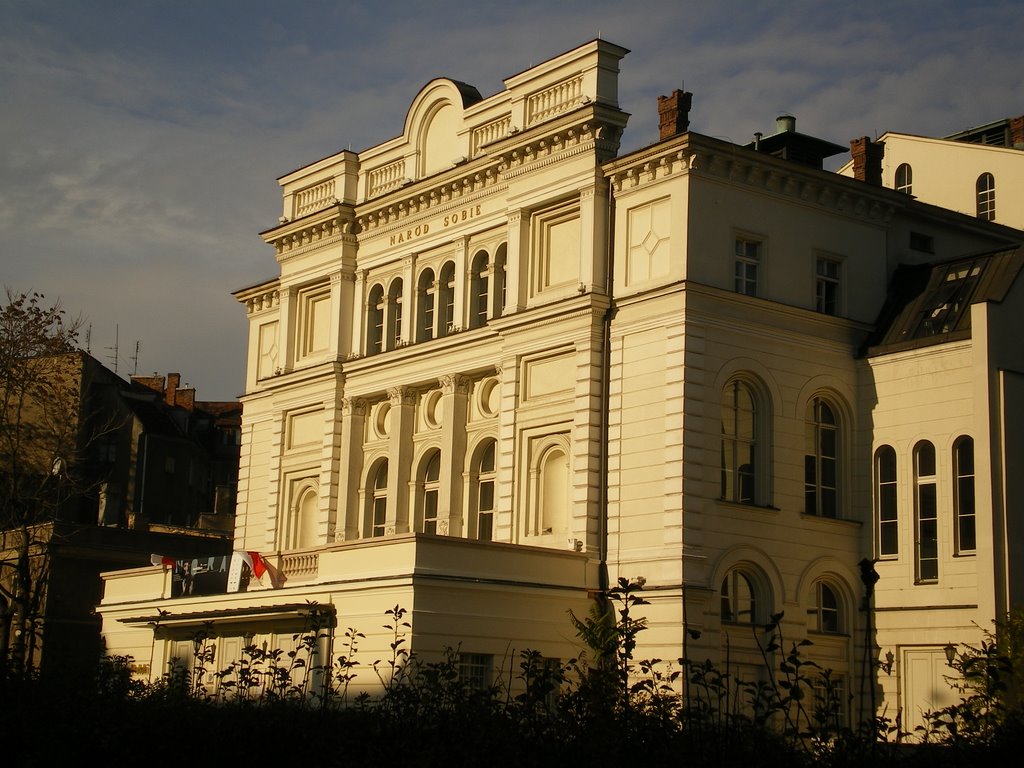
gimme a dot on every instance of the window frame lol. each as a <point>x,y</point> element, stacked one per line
<point>903,179</point>
<point>729,595</point>
<point>746,267</point>
<point>377,502</point>
<point>926,515</point>
<point>375,306</point>
<point>886,503</point>
<point>484,487</point>
<point>430,492</point>
<point>985,197</point>
<point>828,287</point>
<point>964,497</point>
<point>815,475</point>
<point>828,619</point>
<point>733,486</point>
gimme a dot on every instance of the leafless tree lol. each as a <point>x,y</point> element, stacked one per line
<point>41,443</point>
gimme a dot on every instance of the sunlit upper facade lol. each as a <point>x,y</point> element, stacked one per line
<point>502,367</point>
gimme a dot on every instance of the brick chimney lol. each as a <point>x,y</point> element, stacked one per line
<point>170,392</point>
<point>867,160</point>
<point>1017,132</point>
<point>674,113</point>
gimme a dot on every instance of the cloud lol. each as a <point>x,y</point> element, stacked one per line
<point>139,143</point>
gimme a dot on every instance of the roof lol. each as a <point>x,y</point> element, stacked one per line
<point>929,304</point>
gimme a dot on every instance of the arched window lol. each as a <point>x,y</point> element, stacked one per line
<point>446,305</point>
<point>926,514</point>
<point>425,294</point>
<point>394,307</point>
<point>986,194</point>
<point>886,512</point>
<point>821,461</point>
<point>739,443</point>
<point>904,180</point>
<point>479,285</point>
<point>963,502</point>
<point>825,611</point>
<point>499,281</point>
<point>739,599</point>
<point>379,501</point>
<point>375,320</point>
<point>429,493</point>
<point>482,524</point>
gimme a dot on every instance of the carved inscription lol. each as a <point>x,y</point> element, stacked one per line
<point>450,220</point>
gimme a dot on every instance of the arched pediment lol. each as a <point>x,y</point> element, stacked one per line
<point>434,123</point>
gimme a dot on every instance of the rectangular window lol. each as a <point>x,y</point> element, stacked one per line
<point>380,514</point>
<point>827,298</point>
<point>475,670</point>
<point>748,258</point>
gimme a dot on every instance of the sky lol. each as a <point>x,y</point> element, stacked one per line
<point>141,140</point>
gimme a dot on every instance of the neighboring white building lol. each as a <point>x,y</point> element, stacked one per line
<point>979,172</point>
<point>502,367</point>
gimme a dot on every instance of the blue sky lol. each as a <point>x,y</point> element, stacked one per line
<point>140,140</point>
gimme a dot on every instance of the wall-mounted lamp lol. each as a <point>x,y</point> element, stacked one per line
<point>950,651</point>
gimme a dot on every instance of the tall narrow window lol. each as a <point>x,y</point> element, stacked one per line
<point>827,293</point>
<point>425,294</point>
<point>431,475</point>
<point>887,534</point>
<point>446,306</point>
<point>739,443</point>
<point>379,501</point>
<point>479,286</point>
<point>904,180</point>
<point>394,308</point>
<point>825,611</point>
<point>747,261</point>
<point>986,194</point>
<point>963,503</point>
<point>485,493</point>
<point>821,462</point>
<point>498,279</point>
<point>739,601</point>
<point>926,539</point>
<point>375,321</point>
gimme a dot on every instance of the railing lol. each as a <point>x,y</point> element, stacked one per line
<point>492,131</point>
<point>300,566</point>
<point>314,198</point>
<point>555,100</point>
<point>385,178</point>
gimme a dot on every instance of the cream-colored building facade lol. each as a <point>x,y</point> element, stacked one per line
<point>978,172</point>
<point>503,366</point>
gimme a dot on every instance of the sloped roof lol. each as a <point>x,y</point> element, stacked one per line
<point>930,303</point>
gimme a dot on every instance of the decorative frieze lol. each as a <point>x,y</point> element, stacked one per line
<point>314,233</point>
<point>261,301</point>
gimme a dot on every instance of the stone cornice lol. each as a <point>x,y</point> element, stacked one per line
<point>325,227</point>
<point>259,298</point>
<point>708,157</point>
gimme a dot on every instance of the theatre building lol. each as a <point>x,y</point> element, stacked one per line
<point>503,366</point>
